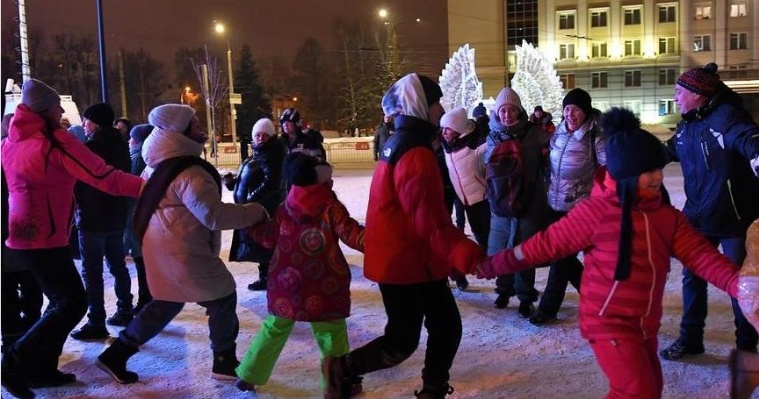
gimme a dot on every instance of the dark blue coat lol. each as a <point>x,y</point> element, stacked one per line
<point>714,145</point>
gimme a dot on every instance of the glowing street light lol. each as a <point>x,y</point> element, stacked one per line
<point>233,97</point>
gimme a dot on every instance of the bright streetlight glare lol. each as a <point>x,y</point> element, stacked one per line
<point>219,27</point>
<point>382,13</point>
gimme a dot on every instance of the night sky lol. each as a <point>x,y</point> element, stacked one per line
<point>273,28</point>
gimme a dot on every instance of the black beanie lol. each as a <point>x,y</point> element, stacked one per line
<point>432,90</point>
<point>101,114</point>
<point>579,98</point>
<point>630,152</point>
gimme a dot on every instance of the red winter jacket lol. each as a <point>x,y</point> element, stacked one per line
<point>633,307</point>
<point>409,234</point>
<point>41,181</point>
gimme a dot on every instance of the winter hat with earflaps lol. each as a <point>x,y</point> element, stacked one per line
<point>38,96</point>
<point>457,121</point>
<point>630,152</point>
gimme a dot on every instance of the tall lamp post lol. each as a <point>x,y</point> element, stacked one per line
<point>234,98</point>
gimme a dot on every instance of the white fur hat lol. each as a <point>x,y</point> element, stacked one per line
<point>457,121</point>
<point>171,117</point>
<point>264,125</point>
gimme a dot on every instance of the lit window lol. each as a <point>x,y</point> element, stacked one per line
<point>566,51</point>
<point>633,105</point>
<point>666,107</point>
<point>632,78</point>
<point>600,50</point>
<point>738,41</point>
<point>599,80</point>
<point>667,13</point>
<point>703,11</point>
<point>567,20</point>
<point>598,18</point>
<point>702,43</point>
<point>567,80</point>
<point>632,16</point>
<point>738,8</point>
<point>667,45</point>
<point>632,47</point>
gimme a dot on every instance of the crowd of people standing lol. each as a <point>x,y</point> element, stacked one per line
<point>535,194</point>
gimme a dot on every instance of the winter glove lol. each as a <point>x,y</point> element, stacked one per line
<point>485,269</point>
<point>748,282</point>
<point>755,164</point>
<point>503,262</point>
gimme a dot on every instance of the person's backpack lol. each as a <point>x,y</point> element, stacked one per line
<point>508,188</point>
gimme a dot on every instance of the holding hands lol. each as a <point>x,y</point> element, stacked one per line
<point>503,262</point>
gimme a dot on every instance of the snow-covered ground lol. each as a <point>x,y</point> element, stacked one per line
<point>501,354</point>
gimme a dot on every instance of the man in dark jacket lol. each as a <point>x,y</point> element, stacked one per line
<point>295,140</point>
<point>411,245</point>
<point>717,145</point>
<point>101,219</point>
<point>383,132</point>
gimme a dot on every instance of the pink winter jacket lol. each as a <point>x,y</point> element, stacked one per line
<point>41,181</point>
<point>633,307</point>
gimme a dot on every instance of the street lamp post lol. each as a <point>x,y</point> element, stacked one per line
<point>220,29</point>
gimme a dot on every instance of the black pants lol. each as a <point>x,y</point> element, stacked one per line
<point>561,273</point>
<point>38,350</point>
<point>21,305</point>
<point>409,306</point>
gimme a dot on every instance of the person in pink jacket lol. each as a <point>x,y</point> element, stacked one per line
<point>42,161</point>
<point>626,264</point>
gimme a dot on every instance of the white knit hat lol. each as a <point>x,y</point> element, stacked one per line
<point>264,125</point>
<point>457,121</point>
<point>171,117</point>
<point>508,96</point>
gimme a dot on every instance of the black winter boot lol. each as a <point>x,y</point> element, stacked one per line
<point>434,391</point>
<point>12,378</point>
<point>341,382</point>
<point>114,359</point>
<point>260,284</point>
<point>224,365</point>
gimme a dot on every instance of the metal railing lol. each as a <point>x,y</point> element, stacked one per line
<point>342,153</point>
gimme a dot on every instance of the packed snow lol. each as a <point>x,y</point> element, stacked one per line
<point>501,355</point>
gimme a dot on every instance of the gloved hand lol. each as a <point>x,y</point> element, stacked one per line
<point>485,269</point>
<point>755,165</point>
<point>503,262</point>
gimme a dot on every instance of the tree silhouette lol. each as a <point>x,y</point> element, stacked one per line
<point>254,104</point>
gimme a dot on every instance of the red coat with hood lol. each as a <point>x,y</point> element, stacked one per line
<point>633,307</point>
<point>410,237</point>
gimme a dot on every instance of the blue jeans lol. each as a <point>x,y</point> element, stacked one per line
<point>503,234</point>
<point>695,301</point>
<point>53,268</point>
<point>95,245</point>
<point>223,325</point>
